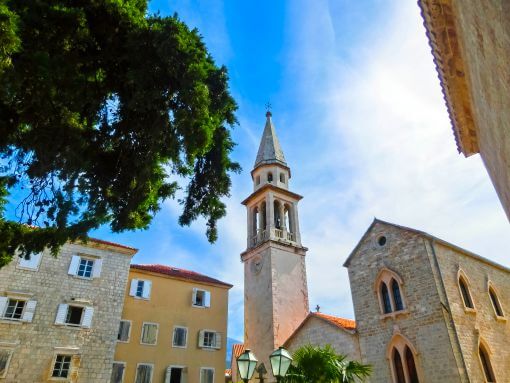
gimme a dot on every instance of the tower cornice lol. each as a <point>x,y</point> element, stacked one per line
<point>268,187</point>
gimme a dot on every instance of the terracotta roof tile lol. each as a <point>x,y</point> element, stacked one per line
<point>347,324</point>
<point>228,372</point>
<point>180,273</point>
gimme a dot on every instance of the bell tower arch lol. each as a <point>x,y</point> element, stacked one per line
<point>275,286</point>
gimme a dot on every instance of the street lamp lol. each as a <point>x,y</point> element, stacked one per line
<point>246,364</point>
<point>280,362</point>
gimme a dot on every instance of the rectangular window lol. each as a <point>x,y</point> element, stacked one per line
<point>85,268</point>
<point>124,331</point>
<point>209,339</point>
<point>180,336</point>
<point>5,357</point>
<point>30,264</point>
<point>201,298</point>
<point>149,333</point>
<point>62,366</point>
<point>14,309</point>
<point>74,315</point>
<point>175,375</point>
<point>207,375</point>
<point>143,373</point>
<point>118,372</point>
<point>140,288</point>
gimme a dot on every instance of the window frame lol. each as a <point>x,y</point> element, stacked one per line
<point>10,351</point>
<point>157,334</point>
<point>28,268</point>
<point>463,279</point>
<point>144,364</point>
<point>123,371</point>
<point>129,331</point>
<point>484,347</point>
<point>186,337</point>
<point>400,343</point>
<point>206,368</point>
<point>17,299</point>
<point>69,307</point>
<point>52,371</point>
<point>87,260</point>
<point>495,294</point>
<point>386,276</point>
<point>168,372</point>
<point>206,301</point>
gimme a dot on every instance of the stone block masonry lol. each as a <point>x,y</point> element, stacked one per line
<point>34,345</point>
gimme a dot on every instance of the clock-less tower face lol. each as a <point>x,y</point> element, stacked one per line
<point>275,288</point>
<point>256,264</point>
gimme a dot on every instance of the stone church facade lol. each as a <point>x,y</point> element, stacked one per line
<point>426,310</point>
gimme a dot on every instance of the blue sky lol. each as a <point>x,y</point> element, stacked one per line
<point>360,116</point>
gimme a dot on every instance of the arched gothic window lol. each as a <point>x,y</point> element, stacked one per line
<point>488,372</point>
<point>385,298</point>
<point>399,367</point>
<point>411,366</point>
<point>495,302</point>
<point>396,295</point>
<point>389,289</point>
<point>464,291</point>
<point>402,358</point>
<point>269,177</point>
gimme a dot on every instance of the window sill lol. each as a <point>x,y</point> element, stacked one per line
<point>12,321</point>
<point>199,307</point>
<point>141,298</point>
<point>149,344</point>
<point>122,341</point>
<point>501,319</point>
<point>469,310</point>
<point>209,348</point>
<point>71,326</point>
<point>175,346</point>
<point>394,314</point>
<point>84,278</point>
<point>27,269</point>
<point>55,379</point>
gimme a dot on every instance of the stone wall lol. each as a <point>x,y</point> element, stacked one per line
<point>422,322</point>
<point>482,323</point>
<point>35,344</point>
<point>484,36</point>
<point>318,332</point>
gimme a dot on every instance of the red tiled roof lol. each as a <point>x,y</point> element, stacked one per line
<point>237,350</point>
<point>347,324</point>
<point>180,273</point>
<point>344,324</point>
<point>228,372</point>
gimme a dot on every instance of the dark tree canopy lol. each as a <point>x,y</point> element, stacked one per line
<point>102,108</point>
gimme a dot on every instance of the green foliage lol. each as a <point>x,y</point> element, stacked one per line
<point>315,364</point>
<point>102,108</point>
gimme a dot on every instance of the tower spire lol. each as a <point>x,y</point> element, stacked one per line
<point>270,151</point>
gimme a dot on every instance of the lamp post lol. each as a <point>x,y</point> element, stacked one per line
<point>280,362</point>
<point>246,364</point>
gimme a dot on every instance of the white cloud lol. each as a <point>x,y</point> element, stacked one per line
<point>384,147</point>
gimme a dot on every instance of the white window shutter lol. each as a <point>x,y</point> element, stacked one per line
<point>207,299</point>
<point>147,289</point>
<point>73,267</point>
<point>31,263</point>
<point>194,296</point>
<point>96,271</point>
<point>132,288</point>
<point>3,304</point>
<point>201,338</point>
<point>61,313</point>
<point>167,374</point>
<point>87,317</point>
<point>217,340</point>
<point>28,313</point>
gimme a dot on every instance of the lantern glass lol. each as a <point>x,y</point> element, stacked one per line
<point>280,362</point>
<point>246,364</point>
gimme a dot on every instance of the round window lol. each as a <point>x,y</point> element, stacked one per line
<point>382,240</point>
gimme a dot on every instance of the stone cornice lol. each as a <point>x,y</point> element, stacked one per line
<point>268,187</point>
<point>443,35</point>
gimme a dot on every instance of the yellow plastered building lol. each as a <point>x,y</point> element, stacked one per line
<point>173,327</point>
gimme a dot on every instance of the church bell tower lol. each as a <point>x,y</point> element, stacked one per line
<point>275,288</point>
